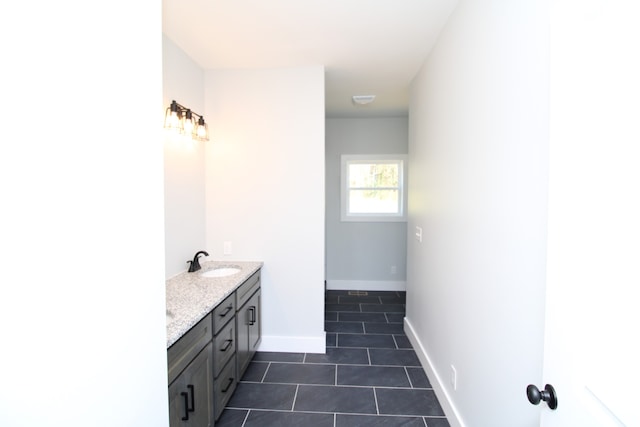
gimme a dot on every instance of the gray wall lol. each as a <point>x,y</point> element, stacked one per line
<point>478,147</point>
<point>360,254</point>
<point>184,163</point>
<point>265,192</point>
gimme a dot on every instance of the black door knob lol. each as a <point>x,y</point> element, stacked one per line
<point>548,395</point>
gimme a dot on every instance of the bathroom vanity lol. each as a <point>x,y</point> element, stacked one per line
<point>213,331</point>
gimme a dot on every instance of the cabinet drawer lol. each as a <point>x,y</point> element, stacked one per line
<point>224,347</point>
<point>188,346</point>
<point>223,313</point>
<point>247,289</point>
<point>224,386</point>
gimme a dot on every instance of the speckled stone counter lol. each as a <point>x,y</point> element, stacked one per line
<point>190,296</point>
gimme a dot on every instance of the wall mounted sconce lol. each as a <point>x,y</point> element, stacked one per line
<point>183,120</point>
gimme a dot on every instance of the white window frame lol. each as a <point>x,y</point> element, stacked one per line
<point>346,160</point>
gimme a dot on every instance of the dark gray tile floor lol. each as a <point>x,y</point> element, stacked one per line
<point>369,376</point>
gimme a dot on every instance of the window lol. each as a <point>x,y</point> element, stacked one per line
<point>373,188</point>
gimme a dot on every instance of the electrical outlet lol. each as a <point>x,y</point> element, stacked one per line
<point>453,378</point>
<point>393,269</point>
<point>227,248</point>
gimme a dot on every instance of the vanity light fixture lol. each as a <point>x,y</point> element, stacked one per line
<point>183,120</point>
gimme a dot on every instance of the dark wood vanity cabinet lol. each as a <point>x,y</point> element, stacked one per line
<point>206,363</point>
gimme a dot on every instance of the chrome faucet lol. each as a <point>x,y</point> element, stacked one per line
<point>195,264</point>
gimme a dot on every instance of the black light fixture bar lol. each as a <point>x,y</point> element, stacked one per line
<point>182,120</point>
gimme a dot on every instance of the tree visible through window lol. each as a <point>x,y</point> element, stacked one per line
<point>372,188</point>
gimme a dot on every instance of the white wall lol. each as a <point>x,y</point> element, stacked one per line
<point>184,163</point>
<point>478,146</point>
<point>360,254</point>
<point>82,251</point>
<point>591,353</point>
<point>265,192</point>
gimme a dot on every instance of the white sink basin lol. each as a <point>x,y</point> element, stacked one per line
<point>221,272</point>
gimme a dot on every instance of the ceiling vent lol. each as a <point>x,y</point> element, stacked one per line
<point>363,99</point>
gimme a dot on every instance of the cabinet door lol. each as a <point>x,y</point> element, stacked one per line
<point>191,394</point>
<point>249,332</point>
<point>242,343</point>
<point>255,328</point>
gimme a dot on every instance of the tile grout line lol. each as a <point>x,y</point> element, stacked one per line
<point>375,398</point>
<point>331,385</point>
<point>295,396</point>
<point>341,413</point>
<point>246,417</point>
<point>409,377</point>
<point>265,373</point>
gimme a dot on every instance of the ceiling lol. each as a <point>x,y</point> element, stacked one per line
<point>368,47</point>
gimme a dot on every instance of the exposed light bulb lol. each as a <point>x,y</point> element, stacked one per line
<point>188,123</point>
<point>202,131</point>
<point>174,120</point>
<point>173,117</point>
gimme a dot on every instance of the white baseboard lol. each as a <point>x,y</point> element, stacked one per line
<point>281,344</point>
<point>366,285</point>
<point>454,418</point>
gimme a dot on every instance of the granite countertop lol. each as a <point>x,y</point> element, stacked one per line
<point>190,297</point>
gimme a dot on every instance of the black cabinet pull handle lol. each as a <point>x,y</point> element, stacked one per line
<point>252,315</point>
<point>226,347</point>
<point>224,390</point>
<point>193,403</point>
<point>548,395</point>
<point>226,311</point>
<point>186,405</point>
